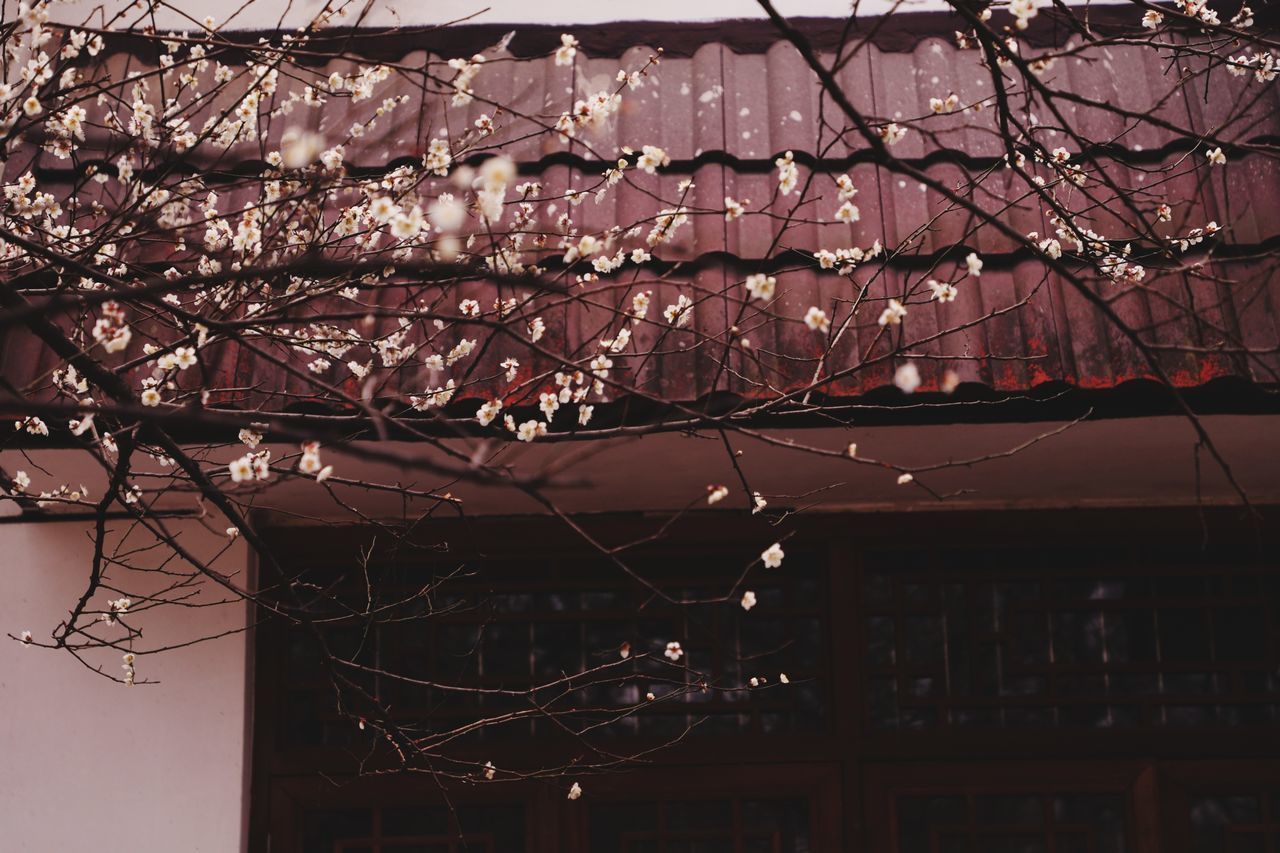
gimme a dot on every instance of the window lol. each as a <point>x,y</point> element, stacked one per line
<point>1012,823</point>
<point>1072,638</point>
<point>700,826</point>
<point>514,626</point>
<point>422,828</point>
<point>1243,822</point>
<point>1096,693</point>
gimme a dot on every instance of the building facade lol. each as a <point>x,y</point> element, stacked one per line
<point>1069,642</point>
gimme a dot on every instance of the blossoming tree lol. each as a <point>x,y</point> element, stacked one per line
<point>316,265</point>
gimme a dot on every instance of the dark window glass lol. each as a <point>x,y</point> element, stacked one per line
<point>1012,823</point>
<point>1105,639</point>
<point>700,826</point>
<point>509,630</point>
<point>429,828</point>
<point>1237,822</point>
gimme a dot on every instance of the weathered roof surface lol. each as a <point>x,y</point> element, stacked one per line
<point>725,109</point>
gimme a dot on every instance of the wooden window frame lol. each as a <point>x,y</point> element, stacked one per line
<point>848,754</point>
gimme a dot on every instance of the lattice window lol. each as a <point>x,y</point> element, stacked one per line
<point>1014,823</point>
<point>1096,639</point>
<point>1237,822</point>
<point>700,826</point>
<point>513,625</point>
<point>416,829</point>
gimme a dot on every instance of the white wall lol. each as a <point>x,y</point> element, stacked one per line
<point>87,764</point>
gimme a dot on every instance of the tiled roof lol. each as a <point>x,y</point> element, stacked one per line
<point>724,109</point>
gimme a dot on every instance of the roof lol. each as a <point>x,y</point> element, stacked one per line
<point>724,103</point>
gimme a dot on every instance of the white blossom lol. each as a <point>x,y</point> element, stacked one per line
<point>788,174</point>
<point>680,313</point>
<point>772,556</point>
<point>761,286</point>
<point>548,403</point>
<point>816,319</point>
<point>529,430</point>
<point>567,50</point>
<point>488,412</point>
<point>848,213</point>
<point>907,377</point>
<point>241,469</point>
<point>310,461</point>
<point>652,158</point>
<point>942,291</point>
<point>893,314</point>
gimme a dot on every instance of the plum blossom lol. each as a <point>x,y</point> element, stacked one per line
<point>893,314</point>
<point>772,556</point>
<point>848,213</point>
<point>548,403</point>
<point>748,600</point>
<point>446,213</point>
<point>529,430</point>
<point>892,133</point>
<point>567,50</point>
<point>845,185</point>
<point>651,159</point>
<point>944,105</point>
<point>674,652</point>
<point>111,331</point>
<point>680,313</point>
<point>1023,11</point>
<point>488,412</point>
<point>907,377</point>
<point>310,461</point>
<point>788,174</point>
<point>942,291</point>
<point>241,469</point>
<point>816,319</point>
<point>761,286</point>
